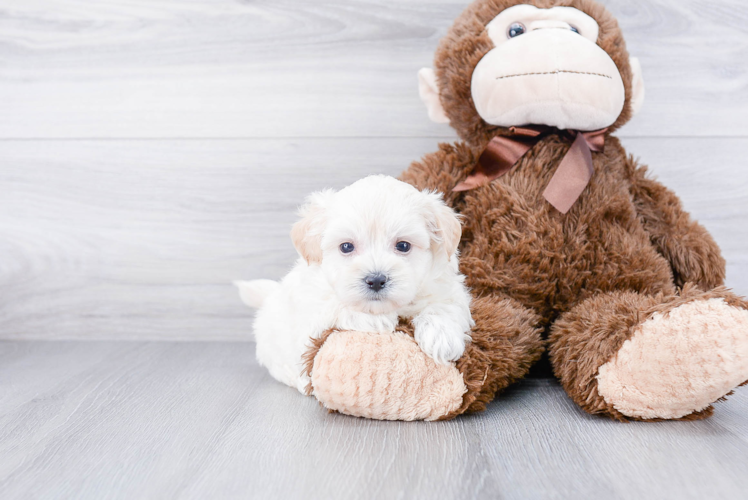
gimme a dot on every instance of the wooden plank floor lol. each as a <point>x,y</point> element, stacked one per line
<point>203,420</point>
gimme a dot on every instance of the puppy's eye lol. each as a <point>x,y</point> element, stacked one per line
<point>515,29</point>
<point>346,247</point>
<point>402,246</point>
<point>574,30</point>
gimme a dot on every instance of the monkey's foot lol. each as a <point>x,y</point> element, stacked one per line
<point>382,376</point>
<point>678,362</point>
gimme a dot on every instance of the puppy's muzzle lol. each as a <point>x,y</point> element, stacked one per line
<point>375,282</point>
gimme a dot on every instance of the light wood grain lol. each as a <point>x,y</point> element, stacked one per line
<point>141,239</point>
<point>203,420</point>
<point>294,68</point>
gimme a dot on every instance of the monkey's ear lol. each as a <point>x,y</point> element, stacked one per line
<point>444,225</point>
<point>429,92</point>
<point>637,85</point>
<point>306,234</point>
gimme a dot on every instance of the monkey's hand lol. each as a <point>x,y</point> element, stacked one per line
<point>693,254</point>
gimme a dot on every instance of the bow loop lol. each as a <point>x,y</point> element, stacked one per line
<point>595,140</point>
<point>568,182</point>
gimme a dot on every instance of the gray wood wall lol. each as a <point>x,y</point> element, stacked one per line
<point>152,151</point>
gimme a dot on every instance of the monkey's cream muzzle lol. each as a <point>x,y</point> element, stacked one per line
<point>548,76</point>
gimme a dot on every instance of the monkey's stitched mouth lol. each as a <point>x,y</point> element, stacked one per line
<point>557,72</point>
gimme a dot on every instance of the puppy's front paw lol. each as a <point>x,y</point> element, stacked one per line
<point>439,337</point>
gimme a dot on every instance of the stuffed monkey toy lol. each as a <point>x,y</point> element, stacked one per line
<point>568,245</point>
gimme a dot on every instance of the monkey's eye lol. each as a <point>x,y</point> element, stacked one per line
<point>346,247</point>
<point>402,246</point>
<point>574,29</point>
<point>515,29</point>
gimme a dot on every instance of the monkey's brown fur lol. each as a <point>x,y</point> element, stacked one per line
<point>577,284</point>
<point>584,280</point>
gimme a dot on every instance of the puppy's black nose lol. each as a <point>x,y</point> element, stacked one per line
<point>375,281</point>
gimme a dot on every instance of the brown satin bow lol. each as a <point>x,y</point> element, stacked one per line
<point>571,177</point>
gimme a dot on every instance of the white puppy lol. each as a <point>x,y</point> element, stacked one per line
<point>372,252</point>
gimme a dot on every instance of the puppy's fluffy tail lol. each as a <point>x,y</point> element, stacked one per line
<point>254,293</point>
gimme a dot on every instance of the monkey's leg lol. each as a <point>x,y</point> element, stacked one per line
<point>632,356</point>
<point>388,377</point>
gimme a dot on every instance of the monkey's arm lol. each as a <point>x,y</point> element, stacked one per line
<point>693,254</point>
<point>442,170</point>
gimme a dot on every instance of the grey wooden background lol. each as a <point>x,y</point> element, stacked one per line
<point>152,151</point>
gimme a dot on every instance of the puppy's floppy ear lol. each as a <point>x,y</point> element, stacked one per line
<point>443,223</point>
<point>306,234</point>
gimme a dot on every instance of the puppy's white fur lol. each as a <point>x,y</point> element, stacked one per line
<point>326,288</point>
